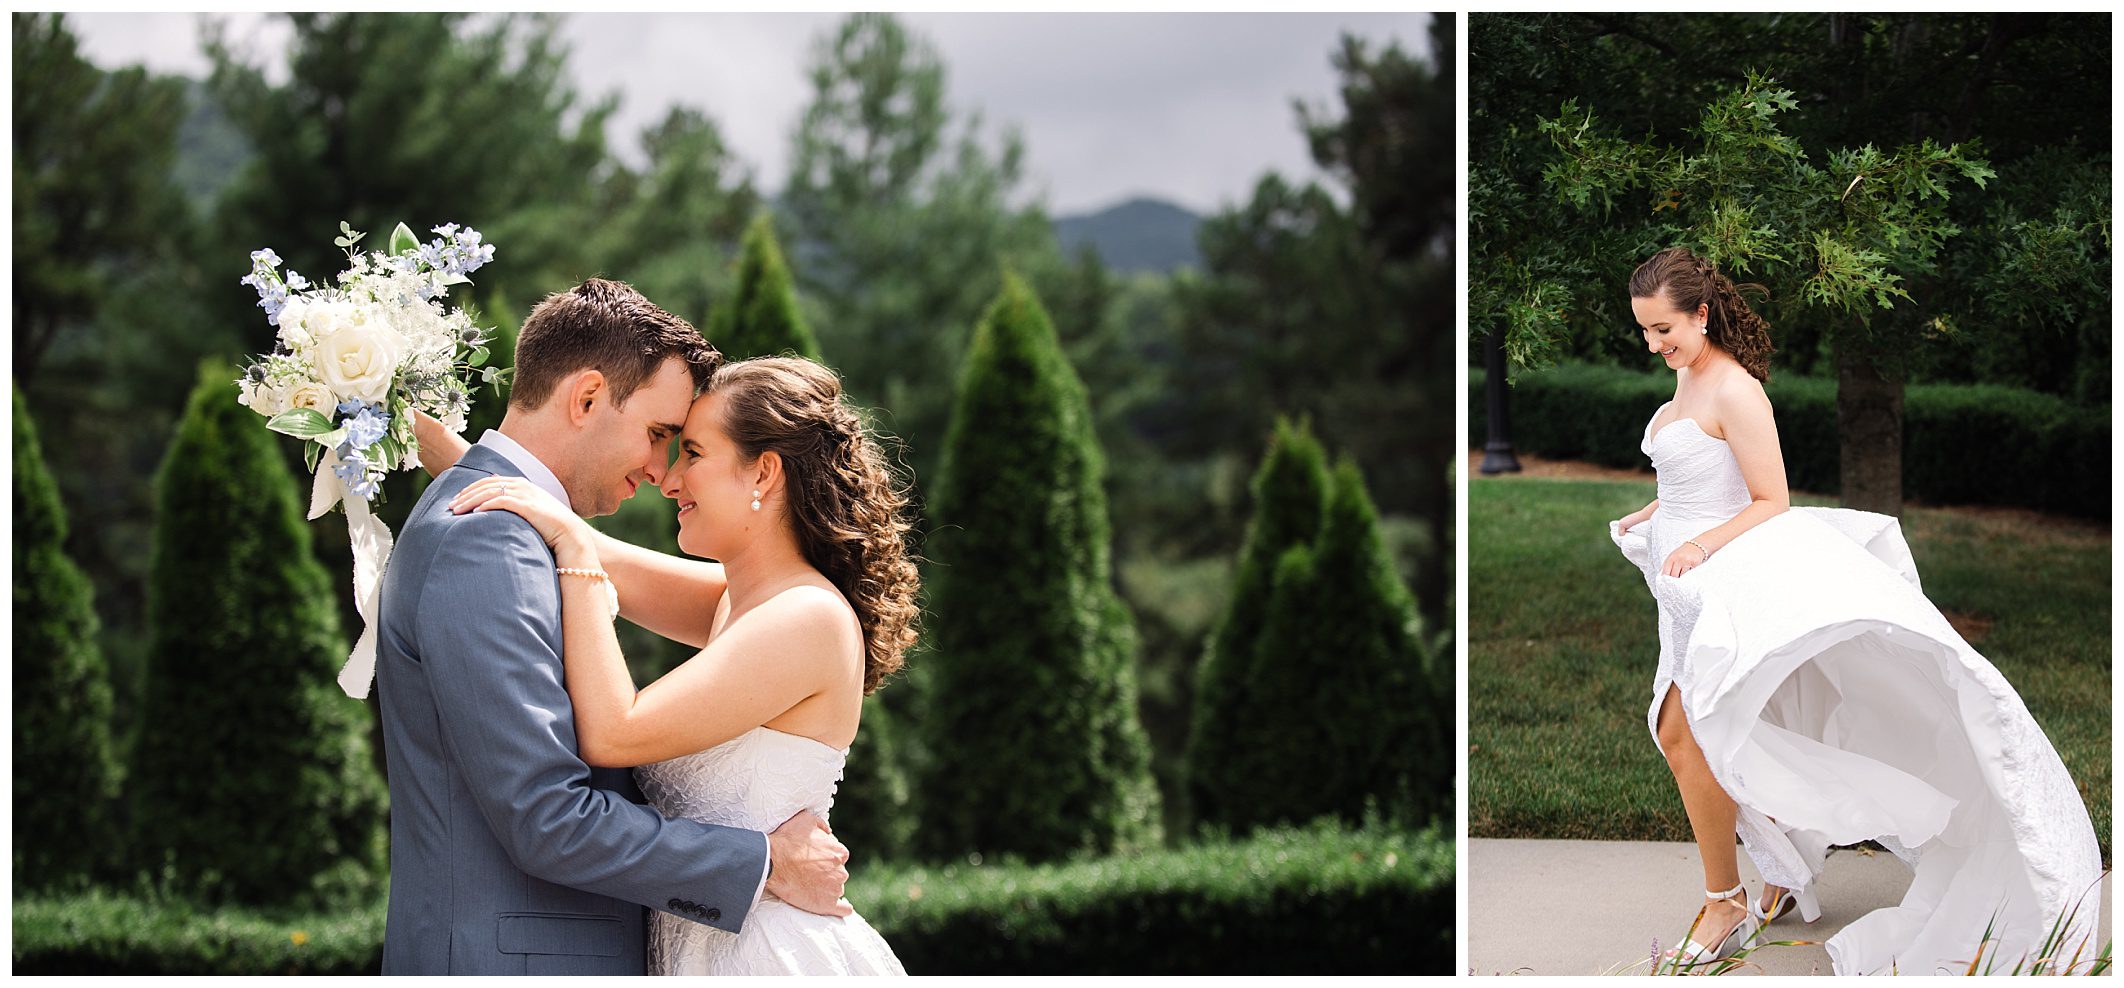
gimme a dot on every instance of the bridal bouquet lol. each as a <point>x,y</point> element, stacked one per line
<point>352,362</point>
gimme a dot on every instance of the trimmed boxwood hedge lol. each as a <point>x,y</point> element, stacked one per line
<point>1318,900</point>
<point>1962,443</point>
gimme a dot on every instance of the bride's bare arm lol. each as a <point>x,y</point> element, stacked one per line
<point>439,447</point>
<point>1751,433</point>
<point>674,597</point>
<point>1640,516</point>
<point>786,651</point>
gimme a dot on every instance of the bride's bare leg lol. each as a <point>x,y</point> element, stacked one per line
<point>1711,816</point>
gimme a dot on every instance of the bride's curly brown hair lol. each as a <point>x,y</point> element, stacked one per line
<point>1691,281</point>
<point>844,503</point>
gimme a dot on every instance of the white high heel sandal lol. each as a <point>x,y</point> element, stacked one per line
<point>1692,952</point>
<point>1810,908</point>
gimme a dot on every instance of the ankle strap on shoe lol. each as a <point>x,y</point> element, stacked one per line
<point>1727,894</point>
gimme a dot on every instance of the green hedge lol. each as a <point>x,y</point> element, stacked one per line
<point>1314,901</point>
<point>1962,443</point>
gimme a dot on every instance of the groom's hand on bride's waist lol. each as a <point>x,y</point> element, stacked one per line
<point>807,867</point>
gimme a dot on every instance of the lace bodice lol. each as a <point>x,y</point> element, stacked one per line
<point>1698,476</point>
<point>756,780</point>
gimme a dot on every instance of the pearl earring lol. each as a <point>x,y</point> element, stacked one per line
<point>755,500</point>
<point>1706,330</point>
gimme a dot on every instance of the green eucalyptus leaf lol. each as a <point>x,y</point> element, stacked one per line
<point>402,240</point>
<point>479,356</point>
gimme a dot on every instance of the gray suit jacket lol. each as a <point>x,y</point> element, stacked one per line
<point>509,855</point>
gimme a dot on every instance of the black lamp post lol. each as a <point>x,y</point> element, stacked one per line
<point>1497,452</point>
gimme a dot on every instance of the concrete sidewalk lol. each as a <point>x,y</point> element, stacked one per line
<point>1594,907</point>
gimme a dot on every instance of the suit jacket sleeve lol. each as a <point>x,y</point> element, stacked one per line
<point>489,634</point>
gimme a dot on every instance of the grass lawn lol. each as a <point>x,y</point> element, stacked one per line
<point>1562,643</point>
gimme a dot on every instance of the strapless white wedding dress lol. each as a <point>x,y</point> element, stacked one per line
<point>756,781</point>
<point>1837,705</point>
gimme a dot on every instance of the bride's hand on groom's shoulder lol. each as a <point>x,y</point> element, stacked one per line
<point>555,521</point>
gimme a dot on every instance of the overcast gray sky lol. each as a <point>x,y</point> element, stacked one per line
<point>1186,107</point>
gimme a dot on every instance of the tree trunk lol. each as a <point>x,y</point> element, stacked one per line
<point>1869,422</point>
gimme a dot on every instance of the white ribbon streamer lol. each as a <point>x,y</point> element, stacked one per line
<point>370,539</point>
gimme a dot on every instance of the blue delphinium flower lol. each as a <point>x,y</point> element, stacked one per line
<point>272,295</point>
<point>460,252</point>
<point>365,425</point>
<point>265,256</point>
<point>353,470</point>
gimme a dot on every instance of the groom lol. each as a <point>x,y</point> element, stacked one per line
<point>509,855</point>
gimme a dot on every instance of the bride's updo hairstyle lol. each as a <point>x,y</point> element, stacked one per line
<point>843,502</point>
<point>1691,281</point>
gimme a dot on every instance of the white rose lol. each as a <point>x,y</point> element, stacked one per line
<point>268,399</point>
<point>313,396</point>
<point>356,355</point>
<point>292,331</point>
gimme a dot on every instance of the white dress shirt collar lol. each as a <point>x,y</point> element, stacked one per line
<point>534,471</point>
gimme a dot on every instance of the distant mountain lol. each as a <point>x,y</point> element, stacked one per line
<point>1137,235</point>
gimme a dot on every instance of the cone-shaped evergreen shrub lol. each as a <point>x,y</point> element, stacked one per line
<point>1389,733</point>
<point>871,811</point>
<point>1290,492</point>
<point>65,773</point>
<point>1028,691</point>
<point>1325,691</point>
<point>761,319</point>
<point>254,775</point>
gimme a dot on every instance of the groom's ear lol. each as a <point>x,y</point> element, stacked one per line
<point>585,390</point>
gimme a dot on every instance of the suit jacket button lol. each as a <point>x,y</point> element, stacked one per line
<point>675,904</point>
<point>713,915</point>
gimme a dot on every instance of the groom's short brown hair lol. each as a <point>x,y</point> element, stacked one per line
<point>611,328</point>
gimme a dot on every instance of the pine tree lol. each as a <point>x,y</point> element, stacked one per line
<point>65,774</point>
<point>255,779</point>
<point>761,318</point>
<point>1028,705</point>
<point>1290,492</point>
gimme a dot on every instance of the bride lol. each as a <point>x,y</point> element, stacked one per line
<point>809,608</point>
<point>1809,695</point>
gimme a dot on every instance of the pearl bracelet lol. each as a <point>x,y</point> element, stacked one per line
<point>600,576</point>
<point>1699,547</point>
